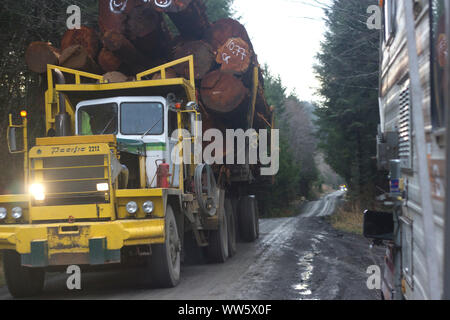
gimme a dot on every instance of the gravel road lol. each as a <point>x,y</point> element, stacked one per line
<point>294,259</point>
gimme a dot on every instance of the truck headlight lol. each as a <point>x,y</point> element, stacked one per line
<point>17,213</point>
<point>148,207</point>
<point>3,213</point>
<point>37,191</point>
<point>132,207</point>
<point>102,187</point>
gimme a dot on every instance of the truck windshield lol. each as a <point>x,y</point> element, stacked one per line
<point>138,118</point>
<point>97,119</point>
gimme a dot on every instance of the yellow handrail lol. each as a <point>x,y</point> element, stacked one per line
<point>162,69</point>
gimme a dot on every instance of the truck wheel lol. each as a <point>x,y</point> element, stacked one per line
<point>256,218</point>
<point>247,217</point>
<point>22,282</point>
<point>164,263</point>
<point>217,250</point>
<point>231,228</point>
<point>235,204</point>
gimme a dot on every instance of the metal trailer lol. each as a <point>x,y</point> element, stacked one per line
<point>414,69</point>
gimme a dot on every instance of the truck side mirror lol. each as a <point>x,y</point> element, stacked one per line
<point>15,140</point>
<point>378,225</point>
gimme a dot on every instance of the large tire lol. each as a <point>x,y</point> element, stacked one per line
<point>22,282</point>
<point>256,218</point>
<point>165,261</point>
<point>232,248</point>
<point>247,219</point>
<point>217,250</point>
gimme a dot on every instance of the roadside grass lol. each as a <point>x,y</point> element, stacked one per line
<point>2,278</point>
<point>348,218</point>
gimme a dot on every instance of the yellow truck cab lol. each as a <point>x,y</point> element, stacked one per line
<point>95,189</point>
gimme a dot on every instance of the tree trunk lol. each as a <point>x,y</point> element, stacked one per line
<point>189,16</point>
<point>124,50</point>
<point>222,92</point>
<point>111,15</point>
<point>234,56</point>
<point>203,58</point>
<point>86,37</point>
<point>39,55</point>
<point>108,61</point>
<point>147,30</point>
<point>76,57</point>
<point>114,77</point>
<point>219,33</point>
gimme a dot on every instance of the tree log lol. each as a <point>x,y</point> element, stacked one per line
<point>203,58</point>
<point>108,61</point>
<point>76,57</point>
<point>142,21</point>
<point>219,33</point>
<point>189,16</point>
<point>170,74</point>
<point>86,37</point>
<point>123,49</point>
<point>147,31</point>
<point>39,55</point>
<point>222,92</point>
<point>234,56</point>
<point>112,15</point>
<point>114,77</point>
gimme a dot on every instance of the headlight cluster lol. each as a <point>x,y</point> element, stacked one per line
<point>147,207</point>
<point>16,213</point>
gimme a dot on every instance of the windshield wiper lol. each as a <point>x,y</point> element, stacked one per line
<point>146,132</point>
<point>109,123</point>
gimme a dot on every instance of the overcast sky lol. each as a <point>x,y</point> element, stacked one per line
<point>286,35</point>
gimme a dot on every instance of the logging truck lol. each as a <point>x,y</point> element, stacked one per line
<point>103,187</point>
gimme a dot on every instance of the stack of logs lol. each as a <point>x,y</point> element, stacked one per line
<point>134,36</point>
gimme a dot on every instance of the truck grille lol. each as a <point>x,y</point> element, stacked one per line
<point>71,180</point>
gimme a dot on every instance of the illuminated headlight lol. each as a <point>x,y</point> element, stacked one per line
<point>102,187</point>
<point>17,213</point>
<point>148,207</point>
<point>37,191</point>
<point>132,207</point>
<point>3,213</point>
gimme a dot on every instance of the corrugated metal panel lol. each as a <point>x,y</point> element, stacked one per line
<point>404,130</point>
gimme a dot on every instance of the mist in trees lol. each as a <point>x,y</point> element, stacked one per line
<point>298,172</point>
<point>347,68</point>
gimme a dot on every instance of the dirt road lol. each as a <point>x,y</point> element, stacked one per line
<point>295,258</point>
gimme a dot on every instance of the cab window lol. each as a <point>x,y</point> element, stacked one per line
<point>97,119</point>
<point>138,118</point>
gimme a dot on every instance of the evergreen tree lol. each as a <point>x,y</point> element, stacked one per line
<point>348,71</point>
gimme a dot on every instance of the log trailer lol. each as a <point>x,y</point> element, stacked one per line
<point>103,188</point>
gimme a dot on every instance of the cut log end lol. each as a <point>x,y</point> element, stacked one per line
<point>203,58</point>
<point>86,37</point>
<point>108,61</point>
<point>76,57</point>
<point>235,56</point>
<point>222,92</point>
<point>39,55</point>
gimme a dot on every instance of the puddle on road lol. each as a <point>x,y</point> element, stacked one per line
<point>306,264</point>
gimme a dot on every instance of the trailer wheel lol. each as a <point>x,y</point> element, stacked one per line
<point>22,282</point>
<point>231,227</point>
<point>247,219</point>
<point>217,250</point>
<point>165,261</point>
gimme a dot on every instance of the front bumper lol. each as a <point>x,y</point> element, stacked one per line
<point>92,243</point>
